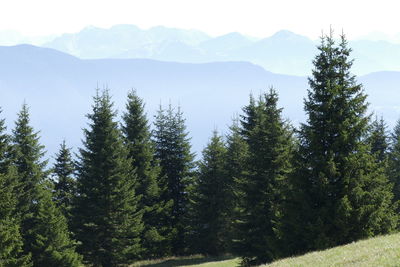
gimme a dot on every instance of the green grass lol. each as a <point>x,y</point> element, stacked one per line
<point>379,251</point>
<point>195,260</point>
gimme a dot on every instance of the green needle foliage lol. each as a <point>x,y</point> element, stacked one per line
<point>5,148</point>
<point>210,201</point>
<point>11,242</point>
<point>44,228</point>
<point>394,164</point>
<point>236,159</point>
<point>27,157</point>
<point>173,152</point>
<point>379,140</point>
<point>51,245</point>
<point>107,219</point>
<point>268,164</point>
<point>65,183</point>
<point>137,138</point>
<point>342,193</point>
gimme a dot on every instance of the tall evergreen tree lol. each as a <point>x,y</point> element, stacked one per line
<point>51,243</point>
<point>236,160</point>
<point>137,138</point>
<point>173,152</point>
<point>268,165</point>
<point>5,147</point>
<point>43,226</point>
<point>379,140</point>
<point>28,158</point>
<point>11,242</point>
<point>394,164</point>
<point>342,193</point>
<point>108,222</point>
<point>65,183</point>
<point>210,201</point>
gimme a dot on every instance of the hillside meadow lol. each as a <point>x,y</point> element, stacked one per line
<point>379,251</point>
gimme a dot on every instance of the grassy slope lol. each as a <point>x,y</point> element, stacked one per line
<point>380,251</point>
<point>196,260</point>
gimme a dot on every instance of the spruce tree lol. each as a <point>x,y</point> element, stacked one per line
<point>11,242</point>
<point>43,227</point>
<point>378,140</point>
<point>137,138</point>
<point>5,147</point>
<point>268,165</point>
<point>394,164</point>
<point>173,152</point>
<point>65,183</point>
<point>341,194</point>
<point>51,244</point>
<point>210,201</point>
<point>236,159</point>
<point>28,158</point>
<point>107,220</point>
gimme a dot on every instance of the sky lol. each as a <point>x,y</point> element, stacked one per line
<point>258,18</point>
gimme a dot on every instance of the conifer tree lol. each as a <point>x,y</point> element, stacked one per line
<point>11,242</point>
<point>236,160</point>
<point>341,192</point>
<point>65,183</point>
<point>394,164</point>
<point>108,222</point>
<point>137,138</point>
<point>210,201</point>
<point>268,165</point>
<point>5,148</point>
<point>28,158</point>
<point>173,152</point>
<point>43,227</point>
<point>378,140</point>
<point>51,243</point>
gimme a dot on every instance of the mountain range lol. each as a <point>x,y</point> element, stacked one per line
<point>284,52</point>
<point>59,87</point>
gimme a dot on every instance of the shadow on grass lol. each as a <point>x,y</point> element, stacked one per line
<point>188,261</point>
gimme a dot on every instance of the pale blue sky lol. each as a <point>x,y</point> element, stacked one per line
<point>258,18</point>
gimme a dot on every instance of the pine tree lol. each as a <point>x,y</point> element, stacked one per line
<point>394,164</point>
<point>137,138</point>
<point>108,222</point>
<point>65,183</point>
<point>173,152</point>
<point>11,242</point>
<point>210,200</point>
<point>43,226</point>
<point>342,193</point>
<point>268,165</point>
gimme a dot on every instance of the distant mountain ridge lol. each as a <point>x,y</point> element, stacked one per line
<point>59,88</point>
<point>284,52</point>
<point>94,43</point>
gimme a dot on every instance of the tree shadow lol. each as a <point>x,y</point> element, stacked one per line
<point>188,261</point>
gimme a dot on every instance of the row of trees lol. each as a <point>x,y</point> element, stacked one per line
<point>264,191</point>
<point>122,199</point>
<point>268,190</point>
